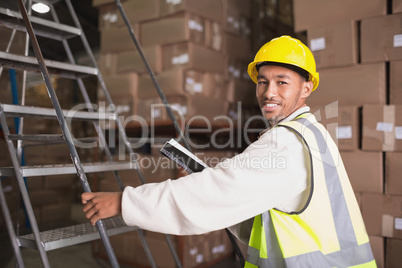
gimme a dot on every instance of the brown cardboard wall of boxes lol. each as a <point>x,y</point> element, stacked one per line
<point>358,49</point>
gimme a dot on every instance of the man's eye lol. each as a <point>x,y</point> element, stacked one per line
<point>262,82</point>
<point>282,83</point>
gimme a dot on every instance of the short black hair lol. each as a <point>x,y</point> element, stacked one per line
<point>303,73</point>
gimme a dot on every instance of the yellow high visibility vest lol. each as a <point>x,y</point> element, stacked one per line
<point>329,230</point>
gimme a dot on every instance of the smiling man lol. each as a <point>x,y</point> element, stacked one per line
<point>301,214</point>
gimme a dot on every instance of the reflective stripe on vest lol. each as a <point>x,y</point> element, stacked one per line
<point>350,252</point>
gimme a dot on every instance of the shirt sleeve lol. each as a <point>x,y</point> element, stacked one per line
<point>268,173</point>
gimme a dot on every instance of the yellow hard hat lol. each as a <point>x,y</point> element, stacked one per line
<point>286,50</point>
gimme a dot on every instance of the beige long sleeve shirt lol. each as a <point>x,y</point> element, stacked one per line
<point>271,173</point>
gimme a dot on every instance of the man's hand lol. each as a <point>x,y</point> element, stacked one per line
<point>101,205</point>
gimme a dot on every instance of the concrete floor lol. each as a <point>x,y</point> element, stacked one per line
<point>74,256</point>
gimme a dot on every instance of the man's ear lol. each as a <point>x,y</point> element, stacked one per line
<point>307,89</point>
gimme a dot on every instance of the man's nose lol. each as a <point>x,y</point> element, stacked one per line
<point>270,91</point>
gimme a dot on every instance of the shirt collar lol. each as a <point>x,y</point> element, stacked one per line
<point>304,109</point>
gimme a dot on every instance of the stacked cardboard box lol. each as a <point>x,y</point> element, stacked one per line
<point>357,45</point>
<point>198,51</point>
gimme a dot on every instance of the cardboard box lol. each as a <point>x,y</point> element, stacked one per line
<point>108,64</point>
<point>266,11</point>
<point>214,86</point>
<point>210,9</point>
<point>396,6</point>
<point>45,197</point>
<point>395,91</point>
<point>193,108</point>
<point>382,128</point>
<point>213,35</point>
<point>334,45</point>
<point>365,171</point>
<point>242,7</point>
<point>237,69</point>
<point>191,55</point>
<point>393,165</point>
<point>47,154</point>
<point>60,181</point>
<point>393,257</point>
<point>116,40</point>
<point>109,17</point>
<point>174,29</point>
<point>355,85</point>
<point>123,105</point>
<point>382,215</point>
<point>237,47</point>
<point>231,18</point>
<point>328,12</point>
<point>124,246</point>
<point>97,3</point>
<point>175,81</point>
<point>342,123</point>
<point>192,250</point>
<point>140,10</point>
<point>121,85</point>
<point>34,183</point>
<point>285,12</point>
<point>378,248</point>
<point>151,110</point>
<point>131,61</point>
<point>381,38</point>
<point>240,90</point>
<point>55,212</point>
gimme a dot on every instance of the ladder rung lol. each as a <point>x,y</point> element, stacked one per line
<point>48,170</point>
<point>42,27</point>
<point>76,234</point>
<point>20,111</point>
<point>37,137</point>
<point>62,69</point>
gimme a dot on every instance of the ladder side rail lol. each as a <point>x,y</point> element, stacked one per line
<point>102,139</point>
<point>23,93</point>
<point>9,224</point>
<point>66,132</point>
<point>118,122</point>
<point>152,75</point>
<point>23,190</point>
<point>168,108</point>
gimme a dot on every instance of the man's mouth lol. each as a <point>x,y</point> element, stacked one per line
<point>269,107</point>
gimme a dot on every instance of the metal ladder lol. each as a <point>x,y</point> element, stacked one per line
<point>61,237</point>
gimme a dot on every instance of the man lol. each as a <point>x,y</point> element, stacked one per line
<point>301,213</point>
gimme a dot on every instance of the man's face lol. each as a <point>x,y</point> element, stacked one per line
<point>280,92</point>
